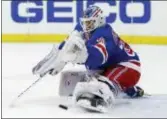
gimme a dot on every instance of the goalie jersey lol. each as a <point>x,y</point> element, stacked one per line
<point>105,48</point>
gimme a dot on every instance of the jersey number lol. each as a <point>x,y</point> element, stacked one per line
<point>123,46</point>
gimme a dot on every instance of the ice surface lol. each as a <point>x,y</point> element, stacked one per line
<point>43,100</point>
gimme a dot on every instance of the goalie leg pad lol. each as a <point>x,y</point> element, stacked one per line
<point>68,81</point>
<point>85,92</point>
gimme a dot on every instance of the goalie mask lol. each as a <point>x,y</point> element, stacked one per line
<point>92,19</point>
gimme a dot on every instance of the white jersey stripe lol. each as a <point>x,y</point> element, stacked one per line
<point>131,65</point>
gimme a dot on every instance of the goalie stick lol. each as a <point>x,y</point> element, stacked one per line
<point>24,91</point>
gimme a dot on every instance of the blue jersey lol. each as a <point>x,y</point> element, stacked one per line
<point>105,48</point>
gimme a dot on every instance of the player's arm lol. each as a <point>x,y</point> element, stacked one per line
<point>98,53</point>
<point>93,53</point>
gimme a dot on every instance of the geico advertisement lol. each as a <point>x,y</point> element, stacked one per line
<point>49,11</point>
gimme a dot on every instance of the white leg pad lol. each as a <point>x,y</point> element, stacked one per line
<point>97,88</point>
<point>68,81</point>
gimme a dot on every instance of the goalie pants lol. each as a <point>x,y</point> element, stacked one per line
<point>125,74</point>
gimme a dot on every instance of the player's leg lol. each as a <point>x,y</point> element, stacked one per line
<point>126,75</point>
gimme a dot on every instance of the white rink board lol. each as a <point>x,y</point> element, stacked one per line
<point>156,26</point>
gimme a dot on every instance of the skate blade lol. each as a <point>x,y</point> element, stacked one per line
<point>86,105</point>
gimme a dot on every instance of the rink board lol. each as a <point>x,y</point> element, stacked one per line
<point>57,38</point>
<point>137,22</point>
